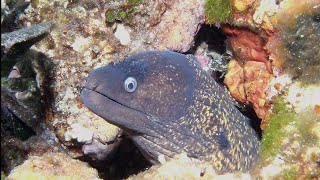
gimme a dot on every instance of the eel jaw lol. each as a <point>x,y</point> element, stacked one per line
<point>114,112</point>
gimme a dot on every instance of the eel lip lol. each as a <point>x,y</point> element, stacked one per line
<point>89,91</point>
<point>95,100</point>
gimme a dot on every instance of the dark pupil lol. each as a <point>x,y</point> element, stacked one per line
<point>130,85</point>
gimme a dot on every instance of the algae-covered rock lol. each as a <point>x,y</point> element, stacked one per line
<point>217,11</point>
<point>53,166</point>
<point>300,38</point>
<point>290,144</point>
<point>24,38</point>
<point>281,35</point>
<point>15,150</point>
<point>295,44</point>
<point>9,11</point>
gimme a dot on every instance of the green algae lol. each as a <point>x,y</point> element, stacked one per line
<point>305,123</point>
<point>134,2</point>
<point>290,173</point>
<point>28,86</point>
<point>3,176</point>
<point>122,12</point>
<point>16,84</point>
<point>274,134</point>
<point>110,15</point>
<point>113,15</point>
<point>217,11</point>
<point>291,135</point>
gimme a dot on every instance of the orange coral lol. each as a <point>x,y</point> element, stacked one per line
<point>317,108</point>
<point>257,78</point>
<point>234,80</point>
<point>250,72</point>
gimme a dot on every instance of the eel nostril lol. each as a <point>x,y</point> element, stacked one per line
<point>92,84</point>
<point>95,85</point>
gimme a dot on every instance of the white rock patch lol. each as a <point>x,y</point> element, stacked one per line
<point>122,35</point>
<point>80,133</point>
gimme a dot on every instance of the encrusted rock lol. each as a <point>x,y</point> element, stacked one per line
<point>26,36</point>
<point>52,166</point>
<point>179,25</point>
<point>290,144</point>
<point>122,34</point>
<point>183,167</point>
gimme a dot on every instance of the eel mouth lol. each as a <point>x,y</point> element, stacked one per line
<point>113,111</point>
<point>87,92</point>
<point>97,101</point>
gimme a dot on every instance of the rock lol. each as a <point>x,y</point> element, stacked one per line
<point>81,44</point>
<point>85,40</point>
<point>75,50</point>
<point>13,126</point>
<point>266,7</point>
<point>122,35</point>
<point>99,151</point>
<point>23,99</point>
<point>183,167</point>
<point>302,97</point>
<point>15,150</point>
<point>242,5</point>
<point>9,12</point>
<point>52,166</point>
<point>23,39</point>
<point>79,133</point>
<point>290,143</point>
<point>294,47</point>
<point>179,35</point>
<point>234,80</point>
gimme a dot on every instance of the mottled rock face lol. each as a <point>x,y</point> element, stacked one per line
<point>169,105</point>
<point>53,166</point>
<point>302,44</point>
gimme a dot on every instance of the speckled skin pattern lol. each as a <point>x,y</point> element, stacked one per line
<point>176,108</point>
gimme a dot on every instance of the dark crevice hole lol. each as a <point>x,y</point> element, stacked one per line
<point>14,126</point>
<point>126,161</point>
<point>212,36</point>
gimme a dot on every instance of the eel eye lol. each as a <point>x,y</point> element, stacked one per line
<point>130,84</point>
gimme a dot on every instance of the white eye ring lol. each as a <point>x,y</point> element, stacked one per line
<point>130,84</point>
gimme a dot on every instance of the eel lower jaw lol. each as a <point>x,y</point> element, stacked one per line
<point>113,111</point>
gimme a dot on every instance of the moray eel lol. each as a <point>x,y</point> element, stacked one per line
<point>168,105</point>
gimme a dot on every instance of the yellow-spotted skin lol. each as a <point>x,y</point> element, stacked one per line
<point>176,107</point>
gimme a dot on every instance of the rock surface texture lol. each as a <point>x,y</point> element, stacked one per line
<point>265,52</point>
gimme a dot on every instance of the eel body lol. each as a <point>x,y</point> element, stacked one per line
<point>168,105</point>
